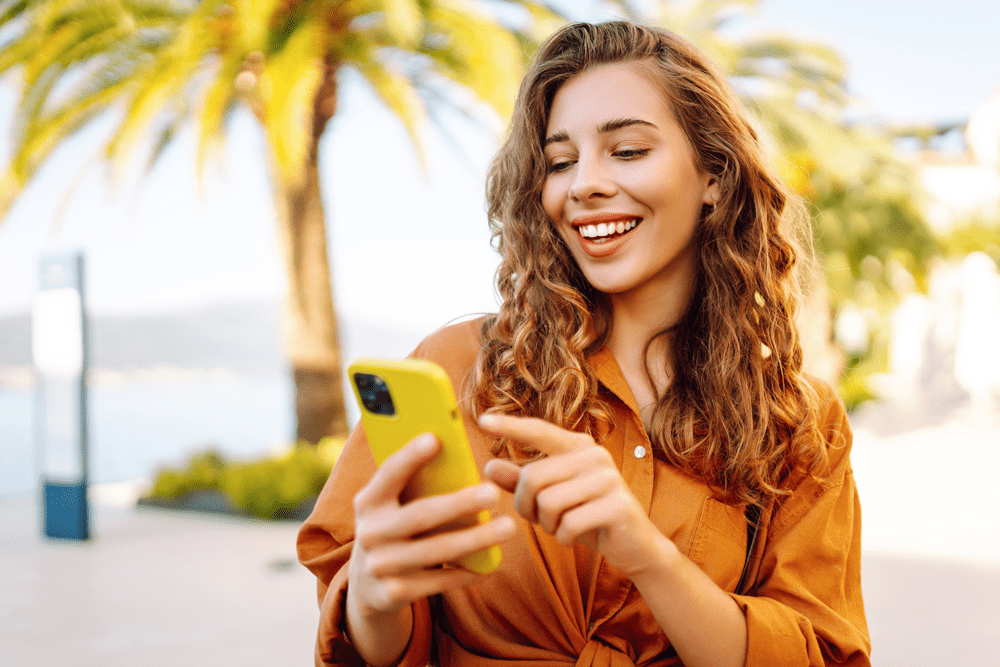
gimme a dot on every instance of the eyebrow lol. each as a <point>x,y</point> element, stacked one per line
<point>603,128</point>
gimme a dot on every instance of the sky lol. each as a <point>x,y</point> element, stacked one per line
<point>409,247</point>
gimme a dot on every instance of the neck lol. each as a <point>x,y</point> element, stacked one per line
<point>636,318</point>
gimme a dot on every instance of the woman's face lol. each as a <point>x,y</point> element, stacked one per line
<point>623,189</point>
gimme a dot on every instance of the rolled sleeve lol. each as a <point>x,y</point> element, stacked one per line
<point>333,646</point>
<point>326,538</point>
<point>807,607</point>
<point>325,543</point>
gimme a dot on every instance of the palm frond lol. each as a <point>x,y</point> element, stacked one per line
<point>795,64</point>
<point>482,55</point>
<point>215,106</point>
<point>288,88</point>
<point>165,77</point>
<point>250,32</point>
<point>158,63</point>
<point>391,85</point>
<point>404,21</point>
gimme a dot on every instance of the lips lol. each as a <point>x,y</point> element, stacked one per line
<point>601,236</point>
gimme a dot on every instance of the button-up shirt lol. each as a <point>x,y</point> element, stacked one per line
<point>548,604</point>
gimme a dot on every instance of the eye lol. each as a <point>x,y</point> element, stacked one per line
<point>557,166</point>
<point>630,153</point>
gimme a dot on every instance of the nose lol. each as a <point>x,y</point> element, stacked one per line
<point>591,179</point>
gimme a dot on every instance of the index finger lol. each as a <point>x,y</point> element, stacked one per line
<point>540,434</point>
<point>395,473</point>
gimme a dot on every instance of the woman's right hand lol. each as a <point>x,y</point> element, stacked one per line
<point>395,562</point>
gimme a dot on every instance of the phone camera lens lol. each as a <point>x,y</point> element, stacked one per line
<point>374,394</point>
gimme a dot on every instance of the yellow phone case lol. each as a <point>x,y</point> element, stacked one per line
<point>424,402</point>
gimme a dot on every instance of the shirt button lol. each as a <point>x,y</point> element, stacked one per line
<point>639,452</point>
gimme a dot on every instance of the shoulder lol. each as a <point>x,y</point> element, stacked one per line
<point>455,346</point>
<point>824,465</point>
<point>820,452</point>
<point>822,461</point>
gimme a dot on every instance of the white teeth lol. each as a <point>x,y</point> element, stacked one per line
<point>603,229</point>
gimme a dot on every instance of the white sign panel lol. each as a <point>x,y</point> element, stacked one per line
<point>57,332</point>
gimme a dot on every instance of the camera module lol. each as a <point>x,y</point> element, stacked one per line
<point>374,394</point>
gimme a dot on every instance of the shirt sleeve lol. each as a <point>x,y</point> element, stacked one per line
<point>326,538</point>
<point>807,607</point>
<point>324,547</point>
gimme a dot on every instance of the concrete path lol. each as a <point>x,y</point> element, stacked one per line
<point>153,588</point>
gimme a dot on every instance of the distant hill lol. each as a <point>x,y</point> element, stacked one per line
<point>244,339</point>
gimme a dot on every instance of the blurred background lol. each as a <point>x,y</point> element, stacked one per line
<point>264,191</point>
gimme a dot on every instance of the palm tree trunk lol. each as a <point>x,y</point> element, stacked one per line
<point>310,320</point>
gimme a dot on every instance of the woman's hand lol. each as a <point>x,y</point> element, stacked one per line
<point>395,561</point>
<point>576,493</point>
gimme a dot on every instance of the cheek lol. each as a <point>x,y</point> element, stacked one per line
<point>551,201</point>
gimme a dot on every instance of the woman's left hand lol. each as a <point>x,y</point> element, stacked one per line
<point>575,493</point>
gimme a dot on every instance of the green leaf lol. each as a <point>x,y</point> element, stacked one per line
<point>288,86</point>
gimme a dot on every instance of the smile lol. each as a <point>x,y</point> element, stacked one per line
<point>602,238</point>
<point>605,231</point>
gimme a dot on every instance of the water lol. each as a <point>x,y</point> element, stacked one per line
<point>148,419</point>
<point>137,427</point>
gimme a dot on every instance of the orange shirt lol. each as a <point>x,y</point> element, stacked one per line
<point>552,605</point>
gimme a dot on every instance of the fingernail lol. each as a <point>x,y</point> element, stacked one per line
<point>486,493</point>
<point>487,421</point>
<point>426,443</point>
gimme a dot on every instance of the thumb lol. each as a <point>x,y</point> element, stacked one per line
<point>503,473</point>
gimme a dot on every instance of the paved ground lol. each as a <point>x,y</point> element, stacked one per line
<point>162,588</point>
<point>154,588</point>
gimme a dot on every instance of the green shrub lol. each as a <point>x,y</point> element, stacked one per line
<point>264,488</point>
<point>169,484</point>
<point>202,472</point>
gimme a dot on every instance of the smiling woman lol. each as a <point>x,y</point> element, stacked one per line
<point>618,157</point>
<point>668,487</point>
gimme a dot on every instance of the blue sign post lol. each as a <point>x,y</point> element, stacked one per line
<point>59,350</point>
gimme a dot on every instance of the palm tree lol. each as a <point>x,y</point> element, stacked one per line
<point>158,65</point>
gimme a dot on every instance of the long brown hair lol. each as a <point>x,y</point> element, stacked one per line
<point>737,411</point>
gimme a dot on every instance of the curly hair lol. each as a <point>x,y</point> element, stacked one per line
<point>737,412</point>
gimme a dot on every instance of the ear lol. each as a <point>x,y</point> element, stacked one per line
<point>712,193</point>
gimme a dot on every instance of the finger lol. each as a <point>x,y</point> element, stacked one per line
<point>585,519</point>
<point>399,591</point>
<point>402,557</point>
<point>426,514</point>
<point>396,471</point>
<point>504,474</point>
<point>610,512</point>
<point>541,474</point>
<point>538,433</point>
<point>554,501</point>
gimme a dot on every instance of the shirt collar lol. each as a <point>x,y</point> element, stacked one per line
<point>609,373</point>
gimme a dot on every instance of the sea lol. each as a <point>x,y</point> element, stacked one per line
<point>165,387</point>
<point>139,426</point>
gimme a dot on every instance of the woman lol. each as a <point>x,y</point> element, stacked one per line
<point>668,487</point>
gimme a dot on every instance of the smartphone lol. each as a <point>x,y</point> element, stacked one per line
<point>400,400</point>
